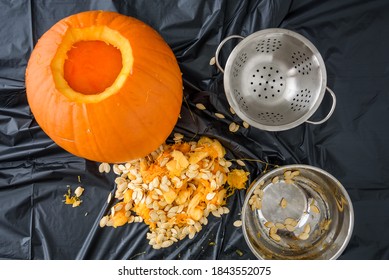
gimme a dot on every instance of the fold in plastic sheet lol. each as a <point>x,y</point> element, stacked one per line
<point>352,144</point>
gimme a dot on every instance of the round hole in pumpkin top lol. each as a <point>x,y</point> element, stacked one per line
<point>92,66</point>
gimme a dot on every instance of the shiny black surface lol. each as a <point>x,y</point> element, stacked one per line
<point>352,145</point>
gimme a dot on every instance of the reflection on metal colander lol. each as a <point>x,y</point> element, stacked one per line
<point>275,79</point>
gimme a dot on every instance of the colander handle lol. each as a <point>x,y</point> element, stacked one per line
<point>220,47</point>
<point>330,112</point>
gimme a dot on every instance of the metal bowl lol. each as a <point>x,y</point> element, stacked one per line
<point>297,212</point>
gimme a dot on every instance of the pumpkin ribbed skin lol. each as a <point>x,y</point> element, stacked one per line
<point>131,119</point>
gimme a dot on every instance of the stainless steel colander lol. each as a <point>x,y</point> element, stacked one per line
<point>275,79</point>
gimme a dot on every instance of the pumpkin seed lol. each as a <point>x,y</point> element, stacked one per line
<point>273,230</point>
<point>280,226</point>
<point>307,228</point>
<point>303,236</point>
<point>78,192</point>
<point>191,235</point>
<point>178,136</point>
<point>166,243</point>
<point>119,207</point>
<point>232,111</point>
<point>246,125</point>
<point>315,209</point>
<point>258,192</point>
<point>258,204</point>
<point>290,227</point>
<point>275,237</point>
<point>233,127</point>
<point>212,61</point>
<point>288,181</point>
<point>240,162</point>
<point>109,223</point>
<point>116,169</point>
<point>210,196</point>
<point>198,226</point>
<point>220,116</point>
<point>269,224</point>
<point>103,221</point>
<point>283,203</point>
<point>237,223</point>
<point>200,106</point>
<point>290,221</point>
<point>216,213</point>
<point>287,173</point>
<point>275,180</point>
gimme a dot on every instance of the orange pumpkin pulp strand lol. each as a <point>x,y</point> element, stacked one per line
<point>104,86</point>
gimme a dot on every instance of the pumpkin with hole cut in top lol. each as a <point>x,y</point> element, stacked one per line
<point>104,86</point>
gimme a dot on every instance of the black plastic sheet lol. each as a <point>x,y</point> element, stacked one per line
<point>352,145</point>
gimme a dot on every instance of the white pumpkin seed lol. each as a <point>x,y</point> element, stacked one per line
<point>212,61</point>
<point>200,106</point>
<point>315,209</point>
<point>78,192</point>
<point>210,196</point>
<point>220,116</point>
<point>287,174</point>
<point>275,237</point>
<point>237,223</point>
<point>240,162</point>
<point>280,226</point>
<point>116,169</point>
<point>166,243</point>
<point>303,236</point>
<point>232,111</point>
<point>269,224</point>
<point>307,228</point>
<point>290,227</point>
<point>103,221</point>
<point>273,230</point>
<point>233,127</point>
<point>216,213</point>
<point>246,125</point>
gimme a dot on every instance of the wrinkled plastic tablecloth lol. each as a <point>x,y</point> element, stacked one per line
<point>352,145</point>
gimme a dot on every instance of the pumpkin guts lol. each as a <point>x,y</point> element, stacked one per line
<point>174,190</point>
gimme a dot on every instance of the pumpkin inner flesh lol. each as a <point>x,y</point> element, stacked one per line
<point>111,43</point>
<point>92,66</point>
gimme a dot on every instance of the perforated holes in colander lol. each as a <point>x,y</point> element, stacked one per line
<point>239,62</point>
<point>239,99</point>
<point>301,100</point>
<point>302,62</point>
<point>268,45</point>
<point>267,82</point>
<point>270,117</point>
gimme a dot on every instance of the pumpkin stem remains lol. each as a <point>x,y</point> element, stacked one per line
<point>92,66</point>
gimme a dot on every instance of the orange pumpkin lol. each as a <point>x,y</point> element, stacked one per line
<point>104,86</point>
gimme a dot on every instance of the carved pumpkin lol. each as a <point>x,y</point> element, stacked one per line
<point>104,86</point>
